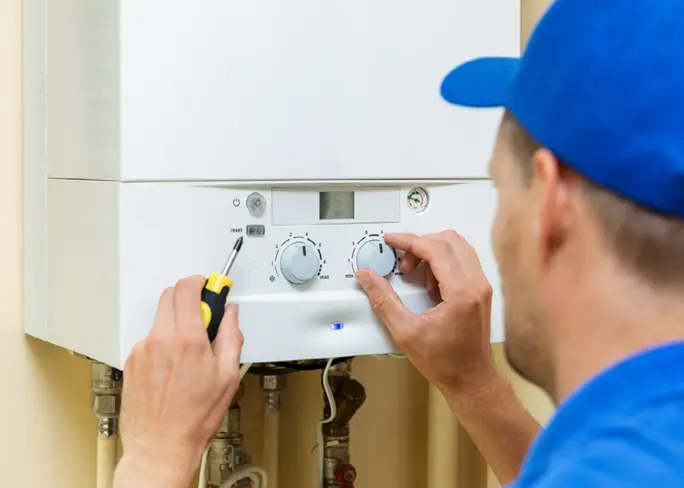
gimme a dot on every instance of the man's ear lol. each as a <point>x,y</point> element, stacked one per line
<point>554,186</point>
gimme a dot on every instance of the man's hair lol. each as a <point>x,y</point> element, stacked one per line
<point>646,242</point>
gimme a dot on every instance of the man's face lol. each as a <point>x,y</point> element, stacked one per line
<point>515,251</point>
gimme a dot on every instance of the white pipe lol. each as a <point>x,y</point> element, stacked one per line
<point>243,370</point>
<point>106,385</point>
<point>319,431</point>
<point>256,474</point>
<point>271,446</point>
<point>255,480</point>
<point>203,470</point>
<point>107,458</point>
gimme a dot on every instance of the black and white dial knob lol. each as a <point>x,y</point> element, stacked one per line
<point>300,262</point>
<point>377,256</point>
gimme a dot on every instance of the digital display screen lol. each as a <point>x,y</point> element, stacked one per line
<point>334,205</point>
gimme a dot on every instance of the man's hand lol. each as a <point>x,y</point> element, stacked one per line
<point>177,388</point>
<point>448,344</point>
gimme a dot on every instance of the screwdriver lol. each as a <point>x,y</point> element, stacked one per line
<point>215,294</point>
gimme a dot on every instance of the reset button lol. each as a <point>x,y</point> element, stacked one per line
<point>256,230</point>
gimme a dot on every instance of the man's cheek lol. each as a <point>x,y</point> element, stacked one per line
<point>497,237</point>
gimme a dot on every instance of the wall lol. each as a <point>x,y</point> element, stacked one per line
<point>401,436</point>
<point>47,429</point>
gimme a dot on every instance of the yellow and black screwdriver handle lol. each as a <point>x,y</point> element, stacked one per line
<point>214,297</point>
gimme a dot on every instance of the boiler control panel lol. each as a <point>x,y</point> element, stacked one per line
<point>294,279</point>
<point>315,239</point>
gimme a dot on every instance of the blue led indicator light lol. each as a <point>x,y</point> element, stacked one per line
<point>336,326</point>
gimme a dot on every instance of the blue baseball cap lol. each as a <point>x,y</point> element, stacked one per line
<point>601,85</point>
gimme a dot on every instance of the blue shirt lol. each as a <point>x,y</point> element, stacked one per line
<point>624,428</point>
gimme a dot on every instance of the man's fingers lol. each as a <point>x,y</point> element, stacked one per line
<point>409,262</point>
<point>188,299</point>
<point>385,302</point>
<point>165,322</point>
<point>228,342</point>
<point>445,252</point>
<point>429,248</point>
<point>401,241</point>
<point>432,285</point>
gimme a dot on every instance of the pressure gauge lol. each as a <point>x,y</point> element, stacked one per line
<point>417,199</point>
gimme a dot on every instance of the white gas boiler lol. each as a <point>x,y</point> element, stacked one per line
<point>157,132</point>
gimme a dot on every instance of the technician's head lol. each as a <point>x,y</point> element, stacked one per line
<point>589,166</point>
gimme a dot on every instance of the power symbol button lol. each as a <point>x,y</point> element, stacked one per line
<point>236,202</point>
<point>256,204</point>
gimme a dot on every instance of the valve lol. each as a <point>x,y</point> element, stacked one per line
<point>346,475</point>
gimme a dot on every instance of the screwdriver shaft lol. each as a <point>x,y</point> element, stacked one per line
<point>231,258</point>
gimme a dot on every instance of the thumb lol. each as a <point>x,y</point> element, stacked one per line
<point>229,340</point>
<point>385,301</point>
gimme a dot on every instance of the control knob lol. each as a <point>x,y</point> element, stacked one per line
<point>377,256</point>
<point>299,262</point>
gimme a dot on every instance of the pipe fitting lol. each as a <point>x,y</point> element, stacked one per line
<point>273,385</point>
<point>226,452</point>
<point>350,395</point>
<point>105,398</point>
<point>342,368</point>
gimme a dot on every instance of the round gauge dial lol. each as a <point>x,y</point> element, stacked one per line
<point>417,199</point>
<point>374,254</point>
<point>299,262</point>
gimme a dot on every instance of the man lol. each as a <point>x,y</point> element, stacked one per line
<point>589,237</point>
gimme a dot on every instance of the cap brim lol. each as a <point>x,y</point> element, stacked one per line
<point>482,82</point>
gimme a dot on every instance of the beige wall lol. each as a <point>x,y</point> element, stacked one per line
<point>401,437</point>
<point>46,431</point>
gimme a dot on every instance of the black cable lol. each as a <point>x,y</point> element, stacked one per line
<point>270,371</point>
<point>289,367</point>
<point>312,365</point>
